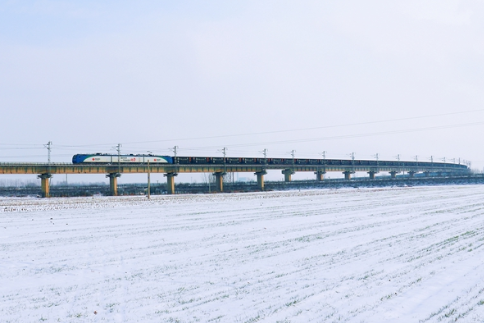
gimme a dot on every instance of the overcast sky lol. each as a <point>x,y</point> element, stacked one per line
<point>366,77</point>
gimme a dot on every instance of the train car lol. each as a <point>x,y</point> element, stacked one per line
<point>99,158</point>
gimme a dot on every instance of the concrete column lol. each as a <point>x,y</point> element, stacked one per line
<point>393,173</point>
<point>288,174</point>
<point>44,184</point>
<point>372,174</point>
<point>320,175</point>
<point>347,174</point>
<point>411,173</point>
<point>219,176</point>
<point>170,182</point>
<point>113,183</point>
<point>260,179</point>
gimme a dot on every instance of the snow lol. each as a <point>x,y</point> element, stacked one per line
<point>369,255</point>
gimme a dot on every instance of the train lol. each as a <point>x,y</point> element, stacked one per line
<point>103,159</point>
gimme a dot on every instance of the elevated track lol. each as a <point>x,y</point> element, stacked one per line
<point>113,171</point>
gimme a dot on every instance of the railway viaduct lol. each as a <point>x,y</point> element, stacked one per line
<point>45,171</point>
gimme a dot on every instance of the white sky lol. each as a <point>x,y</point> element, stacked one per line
<point>155,74</point>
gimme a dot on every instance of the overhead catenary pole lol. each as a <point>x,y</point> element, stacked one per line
<point>265,153</point>
<point>175,150</point>
<point>118,148</point>
<point>49,148</point>
<point>175,159</point>
<point>224,152</point>
<point>149,177</point>
<point>398,159</point>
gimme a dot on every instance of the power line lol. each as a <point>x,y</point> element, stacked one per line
<point>311,128</point>
<point>265,132</point>
<point>350,136</point>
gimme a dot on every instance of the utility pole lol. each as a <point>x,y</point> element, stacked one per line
<point>324,154</point>
<point>149,182</point>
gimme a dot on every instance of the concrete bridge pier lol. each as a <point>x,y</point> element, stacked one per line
<point>411,173</point>
<point>393,174</point>
<point>348,174</point>
<point>113,183</point>
<point>219,176</point>
<point>44,184</point>
<point>372,174</point>
<point>288,174</point>
<point>170,182</point>
<point>319,175</point>
<point>260,179</point>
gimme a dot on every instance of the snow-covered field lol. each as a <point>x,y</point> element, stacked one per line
<point>370,255</point>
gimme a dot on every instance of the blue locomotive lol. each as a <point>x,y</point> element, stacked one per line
<point>124,159</point>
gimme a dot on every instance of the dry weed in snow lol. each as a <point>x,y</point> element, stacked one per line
<point>369,255</point>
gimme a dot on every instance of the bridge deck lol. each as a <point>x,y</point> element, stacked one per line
<point>57,168</point>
